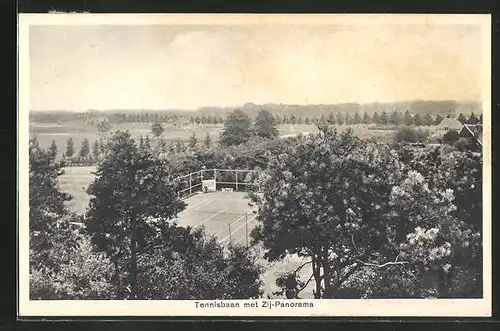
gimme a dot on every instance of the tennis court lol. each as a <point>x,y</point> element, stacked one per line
<point>226,215</point>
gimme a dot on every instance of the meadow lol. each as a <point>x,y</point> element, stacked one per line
<point>45,133</point>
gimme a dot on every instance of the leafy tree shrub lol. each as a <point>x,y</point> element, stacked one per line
<point>157,129</point>
<point>103,125</point>
<point>72,271</point>
<point>410,135</point>
<point>265,125</point>
<point>236,129</point>
<point>450,137</point>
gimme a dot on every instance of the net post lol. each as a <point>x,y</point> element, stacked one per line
<point>236,172</point>
<point>246,228</point>
<point>215,180</point>
<point>201,180</point>
<point>190,185</point>
<point>229,226</point>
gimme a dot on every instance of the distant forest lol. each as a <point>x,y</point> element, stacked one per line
<point>289,114</point>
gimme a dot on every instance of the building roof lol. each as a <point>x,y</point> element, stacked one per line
<point>475,130</point>
<point>450,123</point>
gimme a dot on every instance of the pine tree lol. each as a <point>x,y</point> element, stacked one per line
<point>53,149</point>
<point>439,119</point>
<point>95,150</point>
<point>357,118</point>
<point>428,120</point>
<point>331,118</point>
<point>366,118</point>
<point>339,119</point>
<point>418,120</point>
<point>70,147</point>
<point>384,118</point>
<point>208,141</point>
<point>119,223</point>
<point>461,118</point>
<point>193,140</point>
<point>396,118</point>
<point>85,149</point>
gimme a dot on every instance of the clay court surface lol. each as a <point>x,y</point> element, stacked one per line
<point>221,213</point>
<point>215,210</point>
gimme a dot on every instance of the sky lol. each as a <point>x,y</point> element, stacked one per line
<point>81,67</point>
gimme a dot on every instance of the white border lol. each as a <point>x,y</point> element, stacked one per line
<point>384,308</point>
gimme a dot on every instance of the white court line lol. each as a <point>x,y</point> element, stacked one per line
<point>195,205</point>
<point>235,230</point>
<point>211,217</point>
<point>243,238</point>
<point>198,205</point>
<point>233,222</point>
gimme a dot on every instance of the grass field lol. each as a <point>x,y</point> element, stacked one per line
<point>45,133</point>
<point>75,181</point>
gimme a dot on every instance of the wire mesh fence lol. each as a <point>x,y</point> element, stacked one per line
<point>193,183</point>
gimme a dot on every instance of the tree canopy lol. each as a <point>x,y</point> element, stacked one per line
<point>265,125</point>
<point>236,129</point>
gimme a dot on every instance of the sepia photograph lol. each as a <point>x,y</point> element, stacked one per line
<point>254,165</point>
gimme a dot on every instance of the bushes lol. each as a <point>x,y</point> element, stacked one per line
<point>410,135</point>
<point>450,137</point>
<point>72,270</point>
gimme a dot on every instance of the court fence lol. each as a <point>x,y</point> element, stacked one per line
<point>211,180</point>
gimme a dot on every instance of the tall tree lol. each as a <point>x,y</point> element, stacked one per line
<point>70,147</point>
<point>85,148</point>
<point>46,201</point>
<point>193,140</point>
<point>307,121</point>
<point>236,129</point>
<point>53,149</point>
<point>265,125</point>
<point>376,118</point>
<point>334,234</point>
<point>339,119</point>
<point>133,200</point>
<point>96,152</point>
<point>357,118</point>
<point>396,118</point>
<point>472,119</point>
<point>384,118</point>
<point>331,118</point>
<point>439,119</point>
<point>366,118</point>
<point>348,119</point>
<point>428,120</point>
<point>208,141</point>
<point>418,120</point>
<point>461,118</point>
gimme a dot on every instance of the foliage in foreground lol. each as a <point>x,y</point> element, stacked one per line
<point>352,209</point>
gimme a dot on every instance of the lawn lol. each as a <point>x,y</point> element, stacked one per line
<point>75,181</point>
<point>45,133</point>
